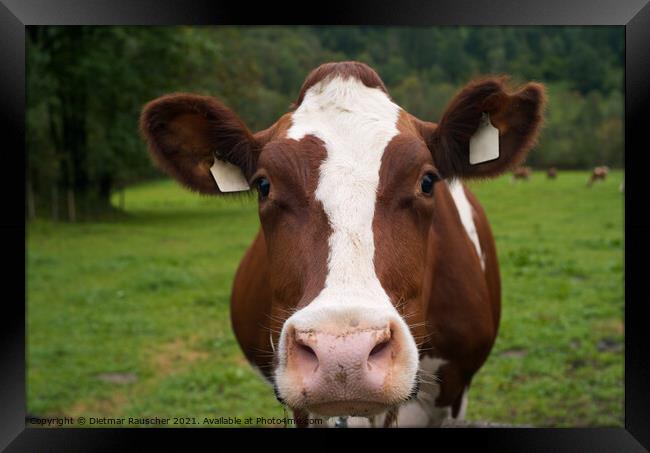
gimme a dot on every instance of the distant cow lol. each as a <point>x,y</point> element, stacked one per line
<point>521,173</point>
<point>551,173</point>
<point>598,174</point>
<point>372,288</point>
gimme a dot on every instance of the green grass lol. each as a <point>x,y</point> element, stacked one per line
<point>146,298</point>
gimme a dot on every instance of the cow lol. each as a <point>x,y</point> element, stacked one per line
<point>522,173</point>
<point>551,173</point>
<point>598,174</point>
<point>371,293</point>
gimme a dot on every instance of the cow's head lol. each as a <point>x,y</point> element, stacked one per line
<point>346,185</point>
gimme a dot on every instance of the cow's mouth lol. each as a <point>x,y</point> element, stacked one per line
<point>355,408</point>
<point>352,408</point>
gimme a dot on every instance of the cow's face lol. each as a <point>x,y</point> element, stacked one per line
<point>346,185</point>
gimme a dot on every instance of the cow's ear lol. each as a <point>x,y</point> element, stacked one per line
<point>185,132</point>
<point>517,115</point>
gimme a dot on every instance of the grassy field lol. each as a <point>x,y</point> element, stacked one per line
<point>130,317</point>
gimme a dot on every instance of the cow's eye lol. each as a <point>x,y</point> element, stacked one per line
<point>428,180</point>
<point>263,187</point>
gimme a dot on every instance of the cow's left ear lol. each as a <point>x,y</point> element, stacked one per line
<point>517,116</point>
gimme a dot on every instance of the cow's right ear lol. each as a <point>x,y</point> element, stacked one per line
<point>185,132</point>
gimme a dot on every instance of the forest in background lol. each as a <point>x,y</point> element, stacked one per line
<point>86,86</point>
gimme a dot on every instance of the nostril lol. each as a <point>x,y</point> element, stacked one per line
<point>305,356</point>
<point>381,351</point>
<point>307,350</point>
<point>379,348</point>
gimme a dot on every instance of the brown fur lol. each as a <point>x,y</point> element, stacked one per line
<point>464,304</point>
<point>551,173</point>
<point>292,243</point>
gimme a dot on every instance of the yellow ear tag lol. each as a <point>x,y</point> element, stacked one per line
<point>484,144</point>
<point>228,177</point>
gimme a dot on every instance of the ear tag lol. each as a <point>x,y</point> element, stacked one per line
<point>484,144</point>
<point>228,177</point>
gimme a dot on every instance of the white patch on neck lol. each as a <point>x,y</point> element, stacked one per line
<point>355,123</point>
<point>466,213</point>
<point>463,406</point>
<point>422,411</point>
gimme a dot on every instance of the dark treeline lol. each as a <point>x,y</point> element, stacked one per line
<point>86,85</point>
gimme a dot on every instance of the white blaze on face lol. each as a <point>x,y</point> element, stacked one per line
<point>355,124</point>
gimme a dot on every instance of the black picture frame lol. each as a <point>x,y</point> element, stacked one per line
<point>633,15</point>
